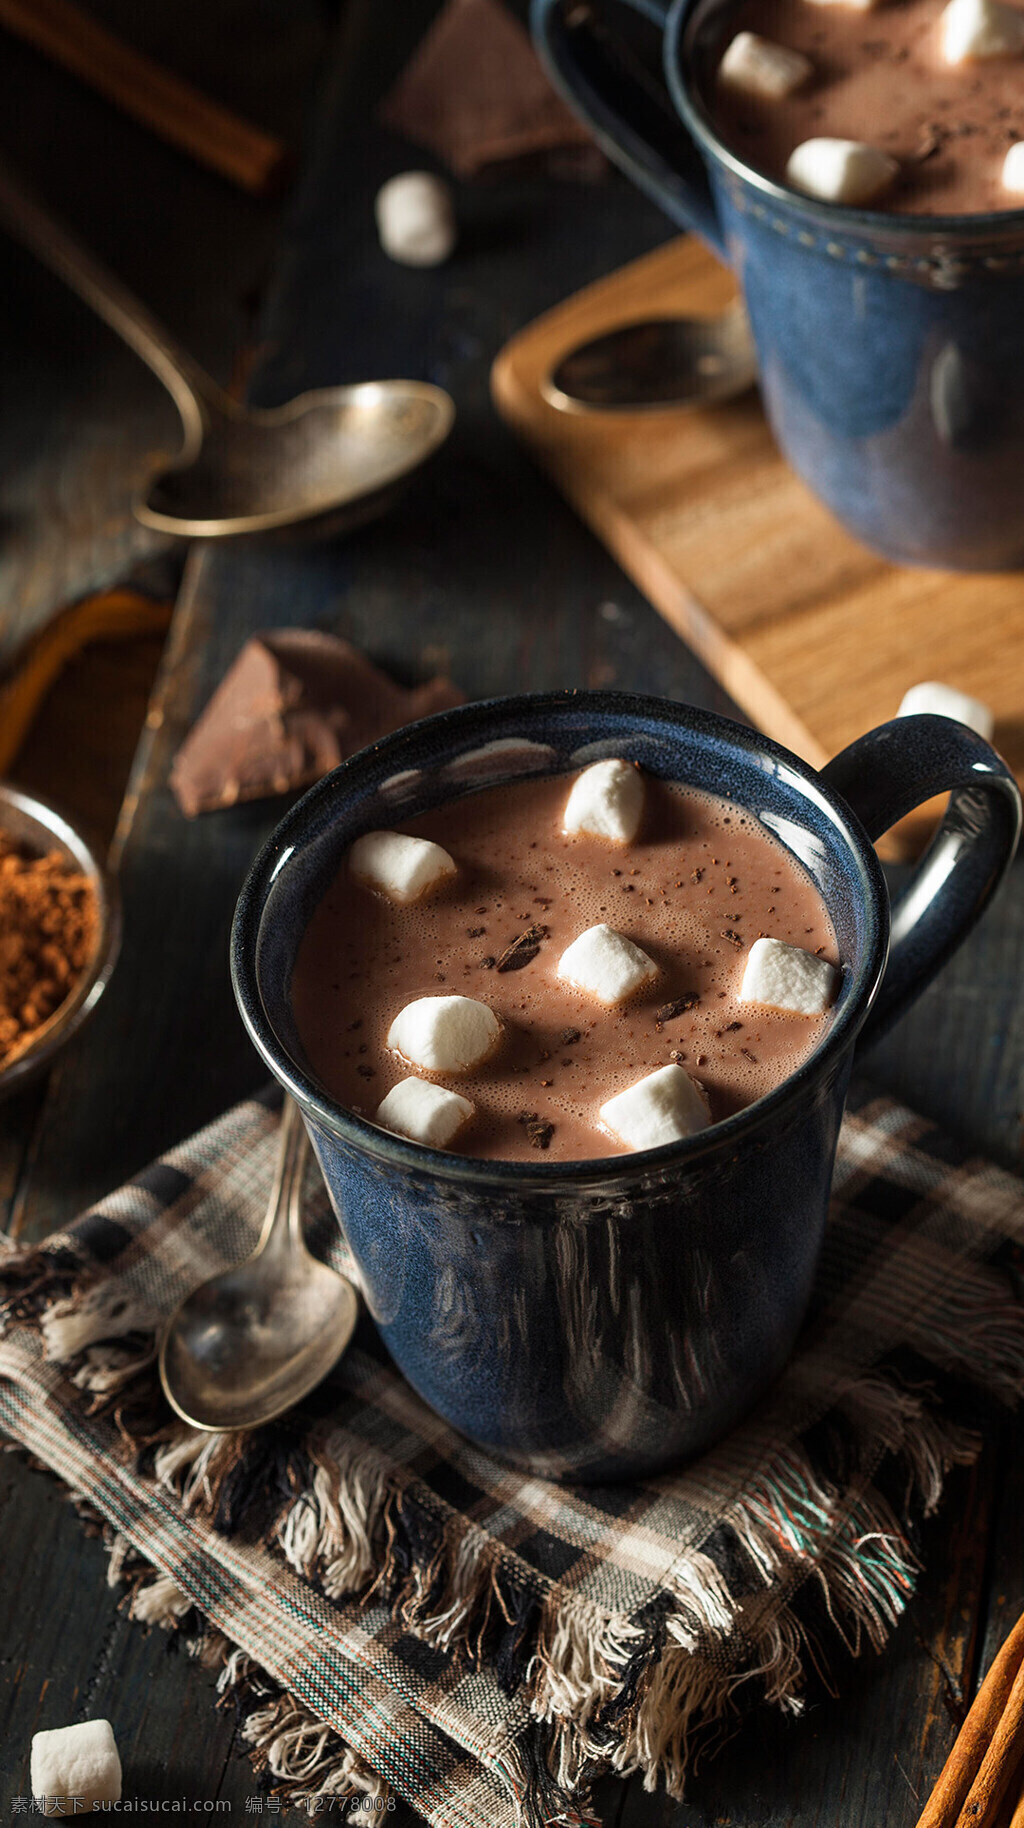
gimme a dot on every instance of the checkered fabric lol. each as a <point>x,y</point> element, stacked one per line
<point>391,1608</point>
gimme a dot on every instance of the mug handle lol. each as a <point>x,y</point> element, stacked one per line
<point>883,776</point>
<point>601,80</point>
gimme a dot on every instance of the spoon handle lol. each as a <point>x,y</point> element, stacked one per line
<point>282,1227</point>
<point>24,217</point>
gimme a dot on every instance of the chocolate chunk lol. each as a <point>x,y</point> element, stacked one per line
<point>537,1128</point>
<point>733,938</point>
<point>295,703</point>
<point>522,949</point>
<point>678,1006</point>
<point>366,1072</point>
<point>568,1037</point>
<point>476,932</point>
<point>476,94</point>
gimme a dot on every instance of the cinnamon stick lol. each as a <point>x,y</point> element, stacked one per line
<point>999,1700</point>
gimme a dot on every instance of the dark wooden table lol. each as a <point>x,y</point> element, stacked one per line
<point>481,569</point>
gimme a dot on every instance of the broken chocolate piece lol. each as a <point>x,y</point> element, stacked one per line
<point>733,937</point>
<point>569,1036</point>
<point>678,1006</point>
<point>475,93</point>
<point>538,1129</point>
<point>522,949</point>
<point>295,703</point>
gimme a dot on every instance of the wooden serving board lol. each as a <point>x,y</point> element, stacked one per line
<point>814,637</point>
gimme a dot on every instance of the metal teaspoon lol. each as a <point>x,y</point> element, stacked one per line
<point>660,363</point>
<point>249,1343</point>
<point>336,452</point>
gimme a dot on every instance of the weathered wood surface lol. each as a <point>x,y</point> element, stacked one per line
<point>482,568</point>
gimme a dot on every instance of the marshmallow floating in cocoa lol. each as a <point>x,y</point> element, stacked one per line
<point>606,801</point>
<point>975,29</point>
<point>424,1112</point>
<point>402,868</point>
<point>840,171</point>
<point>946,701</point>
<point>786,977</point>
<point>445,1034</point>
<point>661,1108</point>
<point>416,219</point>
<point>77,1761</point>
<point>1013,168</point>
<point>757,66</point>
<point>606,965</point>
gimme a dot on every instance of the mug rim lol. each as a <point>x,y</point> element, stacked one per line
<point>700,125</point>
<point>377,762</point>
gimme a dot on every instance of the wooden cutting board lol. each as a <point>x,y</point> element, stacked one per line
<point>814,637</point>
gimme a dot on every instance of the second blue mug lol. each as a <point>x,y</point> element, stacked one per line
<point>890,347</point>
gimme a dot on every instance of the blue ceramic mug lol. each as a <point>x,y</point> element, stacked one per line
<point>598,1320</point>
<point>891,348</point>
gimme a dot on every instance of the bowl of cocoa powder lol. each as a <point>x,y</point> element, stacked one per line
<point>60,930</point>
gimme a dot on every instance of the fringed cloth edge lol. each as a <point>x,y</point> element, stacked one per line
<point>644,1694</point>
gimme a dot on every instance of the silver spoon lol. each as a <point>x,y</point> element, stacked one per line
<point>339,451</point>
<point>662,362</point>
<point>248,1344</point>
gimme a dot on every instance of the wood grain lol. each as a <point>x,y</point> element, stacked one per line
<point>815,637</point>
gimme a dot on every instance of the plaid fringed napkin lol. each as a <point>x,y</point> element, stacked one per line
<point>389,1607</point>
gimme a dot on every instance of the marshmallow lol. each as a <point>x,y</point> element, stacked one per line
<point>787,977</point>
<point>840,171</point>
<point>946,701</point>
<point>854,6</point>
<point>77,1761</point>
<point>416,219</point>
<point>662,1108</point>
<point>980,28</point>
<point>758,67</point>
<point>606,965</point>
<point>1013,167</point>
<point>403,869</point>
<point>607,801</point>
<point>445,1034</point>
<point>426,1113</point>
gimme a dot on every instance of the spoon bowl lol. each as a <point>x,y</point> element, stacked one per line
<point>657,364</point>
<point>250,1343</point>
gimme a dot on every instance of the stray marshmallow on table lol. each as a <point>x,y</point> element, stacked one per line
<point>77,1761</point>
<point>402,868</point>
<point>661,1108</point>
<point>416,219</point>
<point>1013,168</point>
<point>606,965</point>
<point>946,701</point>
<point>840,171</point>
<point>757,66</point>
<point>607,801</point>
<point>445,1034</point>
<point>424,1112</point>
<point>787,977</point>
<point>973,29</point>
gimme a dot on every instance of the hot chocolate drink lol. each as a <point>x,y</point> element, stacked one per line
<point>512,975</point>
<point>934,90</point>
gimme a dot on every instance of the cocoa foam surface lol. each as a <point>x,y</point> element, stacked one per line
<point>701,882</point>
<point>880,77</point>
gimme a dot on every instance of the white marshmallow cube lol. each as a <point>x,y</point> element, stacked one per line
<point>975,29</point>
<point>82,1761</point>
<point>840,171</point>
<point>757,66</point>
<point>946,701</point>
<point>606,965</point>
<point>416,219</point>
<point>402,868</point>
<point>662,1108</point>
<point>787,977</point>
<point>445,1034</point>
<point>1013,168</point>
<point>424,1112</point>
<point>607,801</point>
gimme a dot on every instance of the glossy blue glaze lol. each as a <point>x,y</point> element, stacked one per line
<point>890,347</point>
<point>598,1320</point>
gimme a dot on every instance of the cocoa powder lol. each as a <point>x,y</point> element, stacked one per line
<point>48,928</point>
